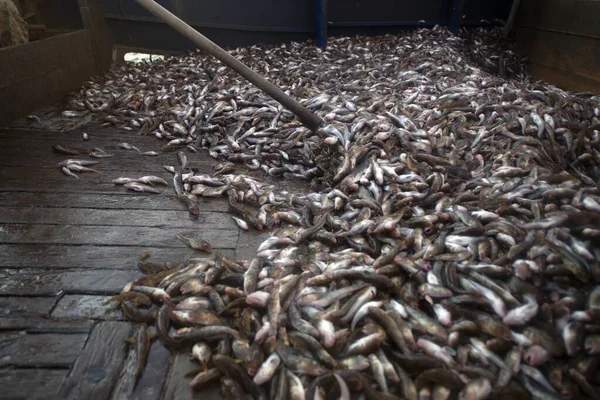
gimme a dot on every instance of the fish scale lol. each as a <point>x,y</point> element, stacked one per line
<point>440,155</point>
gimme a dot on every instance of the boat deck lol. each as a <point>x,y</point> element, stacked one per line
<point>67,245</point>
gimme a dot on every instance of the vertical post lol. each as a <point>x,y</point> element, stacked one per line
<point>322,23</point>
<point>510,22</point>
<point>92,18</point>
<point>456,15</point>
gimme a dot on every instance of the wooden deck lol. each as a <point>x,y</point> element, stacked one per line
<point>67,245</point>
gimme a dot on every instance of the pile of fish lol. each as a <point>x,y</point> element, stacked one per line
<point>446,244</point>
<point>488,49</point>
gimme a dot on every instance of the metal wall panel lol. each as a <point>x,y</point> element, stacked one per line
<point>233,23</point>
<point>387,12</point>
<point>268,15</point>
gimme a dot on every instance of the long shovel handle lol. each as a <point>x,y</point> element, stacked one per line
<point>310,120</point>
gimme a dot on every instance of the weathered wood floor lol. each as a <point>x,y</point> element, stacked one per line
<point>67,245</point>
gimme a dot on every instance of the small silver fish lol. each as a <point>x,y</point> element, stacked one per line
<point>240,223</point>
<point>80,168</point>
<point>152,180</point>
<point>127,146</point>
<point>139,187</point>
<point>68,172</point>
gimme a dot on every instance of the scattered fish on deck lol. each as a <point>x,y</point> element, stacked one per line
<point>448,245</point>
<point>195,243</point>
<point>140,187</point>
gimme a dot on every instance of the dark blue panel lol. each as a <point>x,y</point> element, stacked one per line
<point>477,10</point>
<point>132,9</point>
<point>62,14</point>
<point>163,37</point>
<point>282,15</point>
<point>111,6</point>
<point>344,12</point>
<point>244,22</point>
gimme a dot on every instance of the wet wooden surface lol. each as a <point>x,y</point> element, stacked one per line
<point>66,246</point>
<point>561,39</point>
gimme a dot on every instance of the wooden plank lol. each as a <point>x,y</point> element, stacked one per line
<point>119,154</point>
<point>133,201</point>
<point>578,17</point>
<point>93,129</point>
<point>20,63</point>
<point>50,282</point>
<point>26,384</point>
<point>45,325</point>
<point>564,79</point>
<point>90,216</point>
<point>111,141</point>
<point>44,157</point>
<point>35,147</point>
<point>248,244</point>
<point>74,186</point>
<point>40,350</point>
<point>46,139</point>
<point>81,306</point>
<point>38,157</point>
<point>176,386</point>
<point>110,202</point>
<point>30,176</point>
<point>57,184</point>
<point>149,165</point>
<point>17,157</point>
<point>94,374</point>
<point>574,54</point>
<point>25,306</point>
<point>152,379</point>
<point>31,90</point>
<point>90,257</point>
<point>112,235</point>
<point>106,176</point>
<point>126,380</point>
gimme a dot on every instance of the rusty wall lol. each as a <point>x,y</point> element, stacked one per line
<point>39,73</point>
<point>562,40</point>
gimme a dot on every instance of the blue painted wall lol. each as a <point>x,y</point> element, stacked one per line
<point>232,23</point>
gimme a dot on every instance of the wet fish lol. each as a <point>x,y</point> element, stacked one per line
<point>141,341</point>
<point>139,187</point>
<point>80,168</point>
<point>68,172</point>
<point>195,243</point>
<point>152,180</point>
<point>72,161</point>
<point>72,151</point>
<point>437,237</point>
<point>127,146</point>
